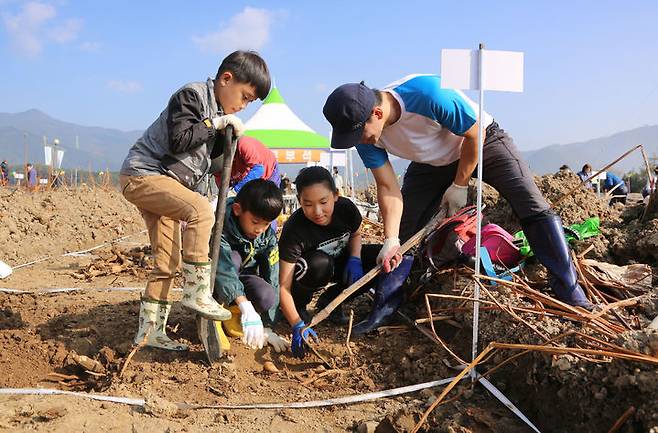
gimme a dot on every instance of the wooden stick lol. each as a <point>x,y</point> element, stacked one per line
<point>465,298</point>
<point>434,319</point>
<point>349,333</point>
<point>135,350</point>
<point>539,310</point>
<point>622,419</point>
<point>436,336</point>
<point>581,314</point>
<point>230,145</point>
<point>314,350</point>
<point>623,303</point>
<point>553,340</point>
<point>568,193</point>
<point>651,181</point>
<point>510,311</point>
<point>451,385</point>
<point>590,248</point>
<point>646,162</point>
<point>410,243</point>
<point>585,282</point>
<point>605,343</point>
<point>56,377</point>
<point>571,350</point>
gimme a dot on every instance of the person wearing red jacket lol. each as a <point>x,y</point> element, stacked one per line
<point>252,161</point>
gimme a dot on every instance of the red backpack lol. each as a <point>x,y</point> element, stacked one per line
<point>444,244</point>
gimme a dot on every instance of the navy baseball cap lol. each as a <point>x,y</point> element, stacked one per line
<point>348,109</point>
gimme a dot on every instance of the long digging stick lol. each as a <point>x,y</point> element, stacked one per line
<point>646,163</point>
<point>229,152</point>
<point>651,183</point>
<point>568,193</point>
<point>410,243</point>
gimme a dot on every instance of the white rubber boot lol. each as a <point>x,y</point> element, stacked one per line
<point>196,292</point>
<point>153,317</point>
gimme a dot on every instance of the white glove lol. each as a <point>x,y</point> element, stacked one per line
<point>453,199</point>
<point>279,343</point>
<point>221,122</point>
<point>252,327</point>
<point>388,256</point>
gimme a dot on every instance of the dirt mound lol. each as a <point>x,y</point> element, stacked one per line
<point>575,208</point>
<point>54,222</point>
<point>624,238</point>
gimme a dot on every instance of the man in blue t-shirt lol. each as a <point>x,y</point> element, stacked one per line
<point>618,187</point>
<point>437,130</point>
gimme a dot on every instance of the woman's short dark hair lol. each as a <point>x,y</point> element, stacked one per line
<point>262,198</point>
<point>248,67</point>
<point>312,175</point>
<point>586,167</point>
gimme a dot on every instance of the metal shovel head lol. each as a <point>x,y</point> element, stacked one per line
<point>209,332</point>
<point>5,270</point>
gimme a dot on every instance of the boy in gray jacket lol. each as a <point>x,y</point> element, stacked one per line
<point>161,174</point>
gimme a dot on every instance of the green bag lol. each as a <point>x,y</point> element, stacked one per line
<point>584,230</point>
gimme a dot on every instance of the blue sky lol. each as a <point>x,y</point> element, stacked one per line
<point>591,67</point>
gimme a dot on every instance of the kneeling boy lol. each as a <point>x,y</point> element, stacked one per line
<point>248,269</point>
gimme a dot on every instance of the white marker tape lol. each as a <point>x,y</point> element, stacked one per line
<point>296,405</point>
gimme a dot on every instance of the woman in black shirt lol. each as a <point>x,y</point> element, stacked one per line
<point>320,245</point>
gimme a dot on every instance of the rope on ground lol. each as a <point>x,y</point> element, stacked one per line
<point>351,399</point>
<point>47,291</point>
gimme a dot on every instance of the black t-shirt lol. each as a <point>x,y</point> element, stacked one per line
<point>301,235</point>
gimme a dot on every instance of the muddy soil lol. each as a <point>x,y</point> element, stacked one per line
<point>50,223</point>
<point>42,334</point>
<point>80,340</point>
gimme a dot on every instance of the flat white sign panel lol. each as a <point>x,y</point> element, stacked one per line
<point>338,159</point>
<point>503,70</point>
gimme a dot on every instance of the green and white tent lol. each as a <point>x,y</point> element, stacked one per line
<point>277,127</point>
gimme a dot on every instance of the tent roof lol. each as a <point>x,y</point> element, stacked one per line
<point>276,126</point>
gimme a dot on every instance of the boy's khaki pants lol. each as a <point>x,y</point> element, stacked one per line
<point>164,202</point>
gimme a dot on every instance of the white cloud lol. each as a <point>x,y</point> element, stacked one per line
<point>125,86</point>
<point>34,25</point>
<point>249,29</point>
<point>90,47</point>
<point>67,31</point>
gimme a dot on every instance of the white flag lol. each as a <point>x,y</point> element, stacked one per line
<point>60,156</point>
<point>48,153</point>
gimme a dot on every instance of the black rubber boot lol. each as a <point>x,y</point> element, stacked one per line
<point>388,297</point>
<point>546,237</point>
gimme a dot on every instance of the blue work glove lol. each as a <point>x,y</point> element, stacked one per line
<point>353,270</point>
<point>298,344</point>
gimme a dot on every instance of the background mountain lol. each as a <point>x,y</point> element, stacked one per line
<point>598,152</point>
<point>98,147</point>
<point>104,147</point>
